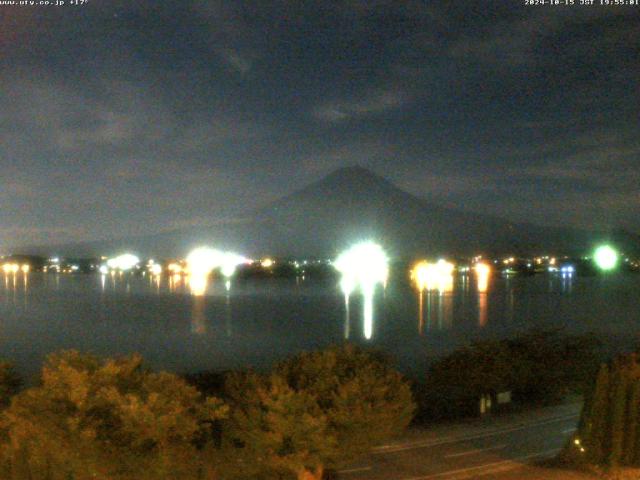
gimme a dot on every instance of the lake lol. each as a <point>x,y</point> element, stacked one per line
<point>256,322</point>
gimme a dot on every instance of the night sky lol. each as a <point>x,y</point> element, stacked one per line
<point>125,118</point>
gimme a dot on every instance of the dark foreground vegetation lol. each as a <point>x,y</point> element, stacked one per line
<point>608,435</point>
<point>115,419</point>
<point>537,368</point>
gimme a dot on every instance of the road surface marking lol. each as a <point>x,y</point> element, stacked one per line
<point>477,450</point>
<point>432,443</point>
<point>490,467</point>
<point>495,431</point>
<point>354,470</point>
<point>569,430</point>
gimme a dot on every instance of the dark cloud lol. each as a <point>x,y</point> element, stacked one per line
<point>133,117</point>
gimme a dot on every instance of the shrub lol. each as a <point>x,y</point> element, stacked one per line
<point>315,410</point>
<point>108,419</point>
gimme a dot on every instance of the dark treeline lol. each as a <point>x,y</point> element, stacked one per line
<point>538,367</point>
<point>91,417</point>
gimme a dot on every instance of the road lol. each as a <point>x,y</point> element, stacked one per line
<point>474,449</point>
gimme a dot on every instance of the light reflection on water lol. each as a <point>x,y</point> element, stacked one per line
<point>198,317</point>
<point>421,312</point>
<point>347,317</point>
<point>184,325</point>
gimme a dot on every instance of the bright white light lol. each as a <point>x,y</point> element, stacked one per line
<point>104,269</point>
<point>203,260</point>
<point>123,262</point>
<point>368,312</point>
<point>363,265</point>
<point>347,284</point>
<point>482,269</point>
<point>229,262</point>
<point>198,284</point>
<point>155,269</point>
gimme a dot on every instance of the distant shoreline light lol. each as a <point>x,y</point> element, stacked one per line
<point>363,266</point>
<point>606,257</point>
<point>123,262</point>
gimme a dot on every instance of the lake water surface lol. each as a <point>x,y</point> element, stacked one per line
<point>257,322</point>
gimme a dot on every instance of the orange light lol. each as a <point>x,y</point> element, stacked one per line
<point>483,272</point>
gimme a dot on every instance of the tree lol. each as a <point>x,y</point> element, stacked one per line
<point>10,383</point>
<point>548,363</point>
<point>455,383</point>
<point>608,430</point>
<point>539,366</point>
<point>595,417</point>
<point>618,410</point>
<point>631,429</point>
<point>365,399</point>
<point>275,429</point>
<point>108,419</point>
<point>318,409</point>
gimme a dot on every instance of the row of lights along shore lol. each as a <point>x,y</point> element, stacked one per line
<point>362,266</point>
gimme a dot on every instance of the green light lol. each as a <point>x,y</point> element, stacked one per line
<point>606,257</point>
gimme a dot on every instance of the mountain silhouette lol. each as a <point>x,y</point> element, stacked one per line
<point>353,204</point>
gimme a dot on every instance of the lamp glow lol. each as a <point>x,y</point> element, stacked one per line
<point>483,272</point>
<point>203,260</point>
<point>433,276</point>
<point>422,274</point>
<point>347,284</point>
<point>174,268</point>
<point>366,263</point>
<point>363,266</point>
<point>123,262</point>
<point>11,268</point>
<point>606,258</point>
<point>229,262</point>
<point>200,263</point>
